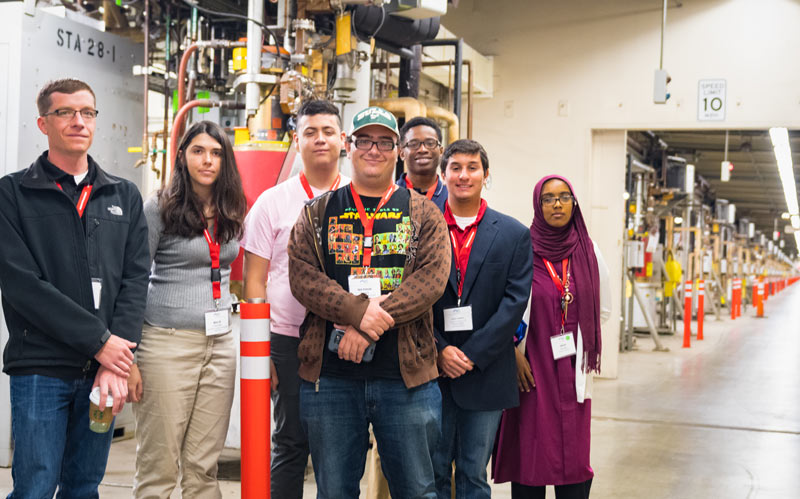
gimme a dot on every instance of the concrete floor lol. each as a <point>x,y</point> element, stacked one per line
<point>718,420</point>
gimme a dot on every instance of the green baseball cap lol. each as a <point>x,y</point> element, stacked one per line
<point>375,116</point>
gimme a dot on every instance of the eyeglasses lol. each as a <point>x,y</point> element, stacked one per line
<point>366,144</point>
<point>428,143</point>
<point>65,113</point>
<point>551,200</point>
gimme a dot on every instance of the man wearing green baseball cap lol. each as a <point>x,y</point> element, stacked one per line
<point>367,354</point>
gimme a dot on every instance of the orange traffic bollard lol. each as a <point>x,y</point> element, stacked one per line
<point>732,303</point>
<point>738,302</point>
<point>255,400</point>
<point>760,298</point>
<point>687,315</point>
<point>701,291</point>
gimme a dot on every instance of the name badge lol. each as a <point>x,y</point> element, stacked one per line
<point>97,291</point>
<point>217,322</point>
<point>563,345</point>
<point>458,319</point>
<point>370,286</point>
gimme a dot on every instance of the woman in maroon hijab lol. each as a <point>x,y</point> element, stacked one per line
<point>545,441</point>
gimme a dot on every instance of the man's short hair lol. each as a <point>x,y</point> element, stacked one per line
<point>319,106</point>
<point>420,121</point>
<point>465,146</point>
<point>64,86</point>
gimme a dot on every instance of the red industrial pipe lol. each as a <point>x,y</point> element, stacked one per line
<point>177,124</point>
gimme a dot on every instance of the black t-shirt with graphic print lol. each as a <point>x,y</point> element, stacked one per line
<point>343,246</point>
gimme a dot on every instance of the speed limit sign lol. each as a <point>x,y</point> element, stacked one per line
<point>711,100</point>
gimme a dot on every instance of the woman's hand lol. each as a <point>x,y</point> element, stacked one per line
<point>524,374</point>
<point>135,386</point>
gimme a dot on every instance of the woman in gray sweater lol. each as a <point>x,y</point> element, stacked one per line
<point>184,375</point>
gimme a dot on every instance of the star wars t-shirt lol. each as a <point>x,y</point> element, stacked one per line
<point>343,245</point>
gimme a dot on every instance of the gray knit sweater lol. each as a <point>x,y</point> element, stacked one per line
<point>179,293</point>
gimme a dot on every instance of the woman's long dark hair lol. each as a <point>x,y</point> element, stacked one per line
<point>182,211</point>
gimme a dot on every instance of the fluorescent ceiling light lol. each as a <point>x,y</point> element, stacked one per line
<point>783,155</point>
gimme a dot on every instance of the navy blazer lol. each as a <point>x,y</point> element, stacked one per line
<point>497,284</point>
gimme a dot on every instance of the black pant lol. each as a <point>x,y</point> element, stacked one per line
<point>571,491</point>
<point>289,443</point>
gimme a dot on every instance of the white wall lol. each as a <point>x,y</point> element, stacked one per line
<point>599,58</point>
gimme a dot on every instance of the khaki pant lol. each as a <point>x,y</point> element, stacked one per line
<point>182,420</point>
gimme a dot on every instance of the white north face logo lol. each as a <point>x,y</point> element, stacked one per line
<point>115,210</point>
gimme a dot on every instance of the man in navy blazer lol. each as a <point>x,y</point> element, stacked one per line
<point>475,321</point>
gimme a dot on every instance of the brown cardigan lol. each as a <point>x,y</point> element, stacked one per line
<point>425,275</point>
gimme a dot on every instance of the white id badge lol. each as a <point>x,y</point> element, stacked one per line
<point>458,319</point>
<point>370,286</point>
<point>563,345</point>
<point>97,291</point>
<point>217,322</point>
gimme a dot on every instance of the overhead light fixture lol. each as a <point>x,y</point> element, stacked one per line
<point>783,155</point>
<point>678,220</point>
<point>785,215</point>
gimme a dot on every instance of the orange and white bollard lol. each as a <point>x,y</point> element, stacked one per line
<point>732,303</point>
<point>738,302</point>
<point>701,291</point>
<point>759,297</point>
<point>255,400</point>
<point>687,315</point>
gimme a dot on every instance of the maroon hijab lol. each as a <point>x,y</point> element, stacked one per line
<point>572,241</point>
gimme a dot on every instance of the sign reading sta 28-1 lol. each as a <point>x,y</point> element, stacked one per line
<point>74,42</point>
<point>711,100</point>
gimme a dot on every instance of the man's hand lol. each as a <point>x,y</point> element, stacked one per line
<point>352,345</point>
<point>107,380</point>
<point>135,386</point>
<point>376,320</point>
<point>524,374</point>
<point>453,362</point>
<point>116,355</point>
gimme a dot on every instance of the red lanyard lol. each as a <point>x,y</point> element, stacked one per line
<point>83,200</point>
<point>431,189</point>
<point>563,285</point>
<point>465,247</point>
<point>216,275</point>
<point>307,186</point>
<point>367,221</point>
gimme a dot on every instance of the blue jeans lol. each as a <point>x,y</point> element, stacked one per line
<point>406,423</point>
<point>467,439</point>
<point>53,445</point>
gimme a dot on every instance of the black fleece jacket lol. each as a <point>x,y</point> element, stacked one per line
<point>49,257</point>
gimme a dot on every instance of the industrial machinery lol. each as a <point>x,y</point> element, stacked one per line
<point>245,64</point>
